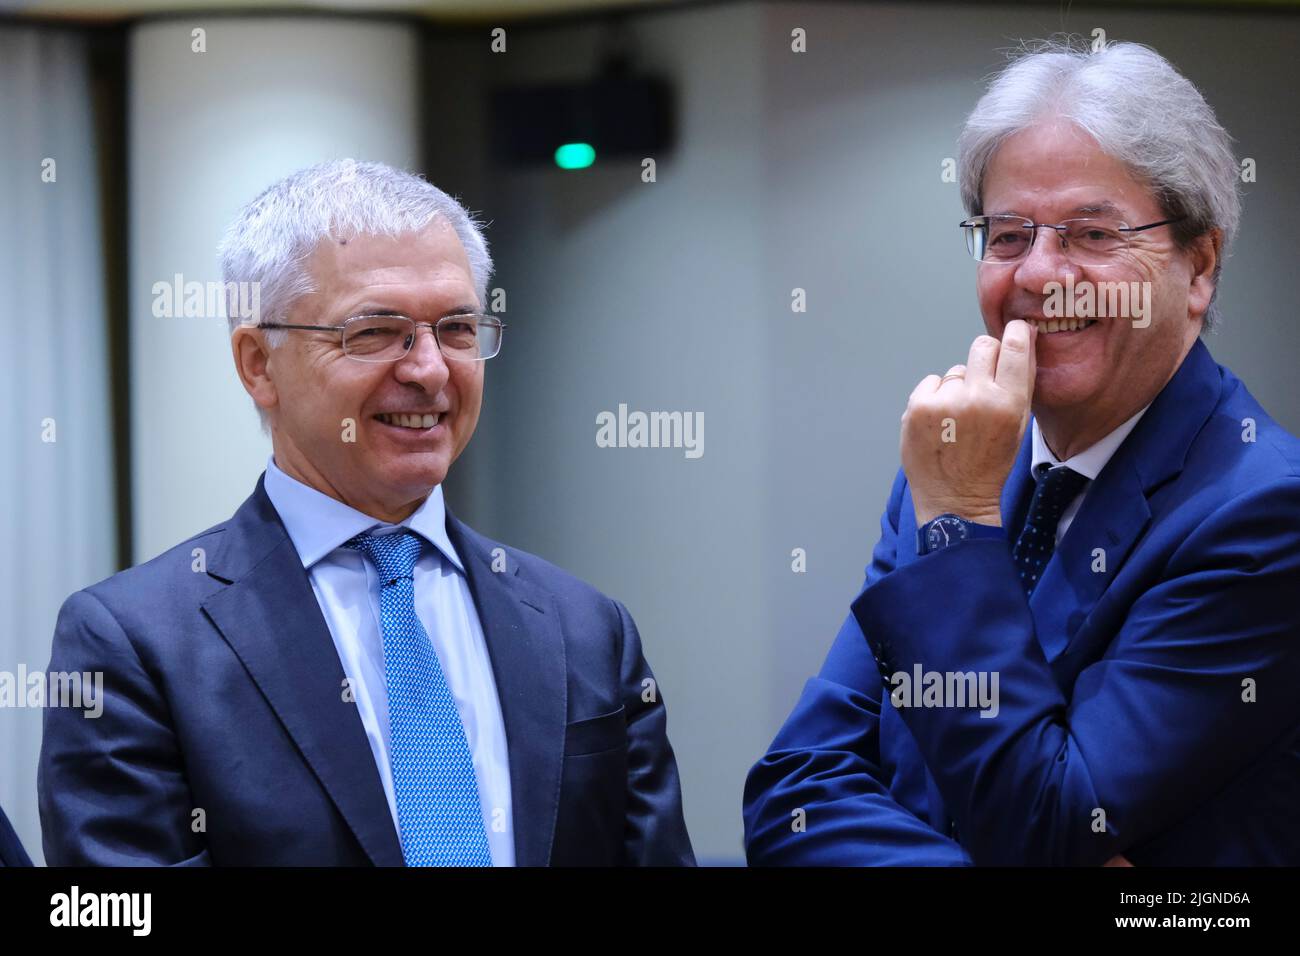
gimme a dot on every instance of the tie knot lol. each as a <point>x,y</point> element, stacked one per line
<point>1061,482</point>
<point>1058,485</point>
<point>394,555</point>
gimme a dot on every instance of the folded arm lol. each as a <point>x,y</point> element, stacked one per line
<point>820,795</point>
<point>1160,724</point>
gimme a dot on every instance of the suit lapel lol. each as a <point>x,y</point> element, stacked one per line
<point>270,618</point>
<point>1116,511</point>
<point>522,630</point>
<point>1113,516</point>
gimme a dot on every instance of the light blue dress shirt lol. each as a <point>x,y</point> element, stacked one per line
<point>347,590</point>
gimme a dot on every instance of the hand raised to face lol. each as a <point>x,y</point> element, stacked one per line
<point>961,432</point>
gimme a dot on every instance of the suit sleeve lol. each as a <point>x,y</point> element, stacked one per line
<point>12,852</point>
<point>820,796</point>
<point>1161,723</point>
<point>111,789</point>
<point>655,834</point>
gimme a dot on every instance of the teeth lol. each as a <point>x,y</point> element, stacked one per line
<point>1063,325</point>
<point>409,421</point>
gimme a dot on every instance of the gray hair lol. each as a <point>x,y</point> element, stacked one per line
<point>271,238</point>
<point>1138,108</point>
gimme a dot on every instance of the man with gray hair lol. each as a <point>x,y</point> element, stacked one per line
<point>344,673</point>
<point>1091,513</point>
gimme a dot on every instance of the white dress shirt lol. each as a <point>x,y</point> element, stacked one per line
<point>347,589</point>
<point>1088,463</point>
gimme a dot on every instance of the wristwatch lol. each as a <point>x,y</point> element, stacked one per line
<point>949,529</point>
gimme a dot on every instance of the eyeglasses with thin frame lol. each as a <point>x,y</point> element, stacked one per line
<point>1090,241</point>
<point>468,337</point>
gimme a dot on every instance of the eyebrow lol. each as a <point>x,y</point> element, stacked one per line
<point>1103,208</point>
<point>456,310</point>
<point>1106,207</point>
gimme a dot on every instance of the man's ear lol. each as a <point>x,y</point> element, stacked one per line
<point>1205,259</point>
<point>253,363</point>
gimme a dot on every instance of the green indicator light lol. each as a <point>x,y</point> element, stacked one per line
<point>575,156</point>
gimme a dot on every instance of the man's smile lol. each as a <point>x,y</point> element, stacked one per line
<point>1056,326</point>
<point>410,420</point>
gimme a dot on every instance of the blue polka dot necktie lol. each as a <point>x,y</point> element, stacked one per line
<point>1056,489</point>
<point>438,812</point>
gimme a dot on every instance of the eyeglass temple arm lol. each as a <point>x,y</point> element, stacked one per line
<point>1152,225</point>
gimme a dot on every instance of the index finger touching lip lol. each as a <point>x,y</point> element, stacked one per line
<point>1016,358</point>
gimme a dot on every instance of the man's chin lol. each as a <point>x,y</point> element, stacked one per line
<point>413,474</point>
<point>1062,388</point>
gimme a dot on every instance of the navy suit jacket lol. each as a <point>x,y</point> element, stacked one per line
<point>225,737</point>
<point>11,848</point>
<point>1148,689</point>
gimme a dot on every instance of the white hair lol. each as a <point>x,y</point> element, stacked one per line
<point>1138,108</point>
<point>272,237</point>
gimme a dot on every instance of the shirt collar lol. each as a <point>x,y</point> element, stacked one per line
<point>318,524</point>
<point>1090,461</point>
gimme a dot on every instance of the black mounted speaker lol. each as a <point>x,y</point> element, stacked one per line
<point>618,117</point>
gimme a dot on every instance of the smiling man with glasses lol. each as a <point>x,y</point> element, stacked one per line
<point>344,673</point>
<point>1092,518</point>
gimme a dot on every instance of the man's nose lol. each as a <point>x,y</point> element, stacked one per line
<point>1046,261</point>
<point>424,364</point>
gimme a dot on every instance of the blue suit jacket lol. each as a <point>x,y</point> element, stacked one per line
<point>11,848</point>
<point>223,693</point>
<point>1121,690</point>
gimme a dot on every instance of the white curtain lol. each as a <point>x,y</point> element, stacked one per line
<point>57,524</point>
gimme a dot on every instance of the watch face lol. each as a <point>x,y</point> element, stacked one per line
<point>943,531</point>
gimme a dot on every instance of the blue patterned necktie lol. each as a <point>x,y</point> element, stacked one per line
<point>438,811</point>
<point>1056,489</point>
